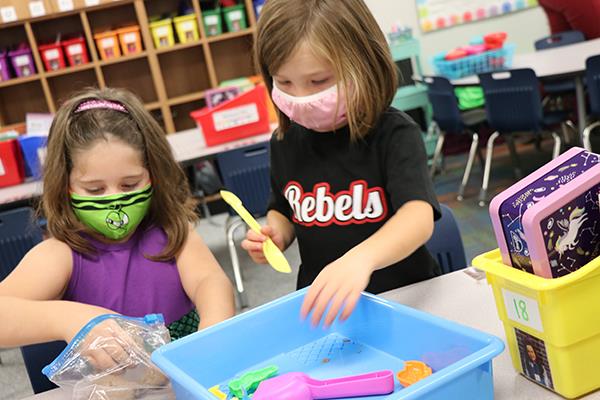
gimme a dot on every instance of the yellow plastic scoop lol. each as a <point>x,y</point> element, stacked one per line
<point>272,253</point>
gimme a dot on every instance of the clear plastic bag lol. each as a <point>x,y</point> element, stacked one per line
<point>109,359</point>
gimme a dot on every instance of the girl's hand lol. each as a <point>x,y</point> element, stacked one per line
<point>253,243</point>
<point>108,346</point>
<point>339,284</point>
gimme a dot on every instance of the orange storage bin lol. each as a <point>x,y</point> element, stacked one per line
<point>108,45</point>
<point>244,116</point>
<point>130,39</point>
<point>12,171</point>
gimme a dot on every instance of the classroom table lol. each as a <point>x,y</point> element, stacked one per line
<point>555,63</point>
<point>188,148</point>
<point>465,298</point>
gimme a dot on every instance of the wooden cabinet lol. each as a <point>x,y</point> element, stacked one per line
<point>171,81</point>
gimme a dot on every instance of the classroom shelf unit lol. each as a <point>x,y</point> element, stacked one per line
<point>171,81</point>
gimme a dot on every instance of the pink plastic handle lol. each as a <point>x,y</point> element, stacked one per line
<point>381,382</point>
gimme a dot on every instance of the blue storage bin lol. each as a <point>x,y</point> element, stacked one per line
<point>379,335</point>
<point>488,61</point>
<point>31,146</point>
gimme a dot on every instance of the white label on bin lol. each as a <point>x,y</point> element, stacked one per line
<point>52,54</point>
<point>234,117</point>
<point>22,61</point>
<point>41,153</point>
<point>37,9</point>
<point>211,19</point>
<point>90,3</point>
<point>187,26</point>
<point>235,15</point>
<point>75,49</point>
<point>130,37</point>
<point>8,14</point>
<point>108,42</point>
<point>522,309</point>
<point>2,170</point>
<point>163,31</point>
<point>65,5</point>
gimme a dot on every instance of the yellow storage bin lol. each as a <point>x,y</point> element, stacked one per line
<point>162,33</point>
<point>552,325</point>
<point>187,28</point>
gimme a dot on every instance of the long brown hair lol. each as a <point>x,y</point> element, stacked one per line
<point>341,32</point>
<point>172,206</point>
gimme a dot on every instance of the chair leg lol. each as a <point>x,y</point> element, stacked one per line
<point>510,140</point>
<point>488,166</point>
<point>467,174</point>
<point>557,145</point>
<point>235,262</point>
<point>587,133</point>
<point>437,153</point>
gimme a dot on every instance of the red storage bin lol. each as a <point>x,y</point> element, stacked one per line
<point>53,56</point>
<point>12,170</point>
<point>76,51</point>
<point>243,116</point>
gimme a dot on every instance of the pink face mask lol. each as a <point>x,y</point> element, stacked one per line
<point>316,112</point>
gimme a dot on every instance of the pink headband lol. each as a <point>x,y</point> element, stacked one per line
<point>100,104</point>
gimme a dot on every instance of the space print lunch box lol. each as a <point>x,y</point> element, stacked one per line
<point>548,223</point>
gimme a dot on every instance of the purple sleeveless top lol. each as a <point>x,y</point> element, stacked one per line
<point>121,279</point>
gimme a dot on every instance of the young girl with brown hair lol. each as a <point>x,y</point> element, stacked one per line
<point>120,215</point>
<point>349,172</point>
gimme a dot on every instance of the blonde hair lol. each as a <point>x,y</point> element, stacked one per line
<point>172,207</point>
<point>341,32</point>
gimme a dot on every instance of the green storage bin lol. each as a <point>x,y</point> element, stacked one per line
<point>212,22</point>
<point>235,18</point>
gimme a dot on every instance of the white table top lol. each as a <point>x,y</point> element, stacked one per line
<point>188,147</point>
<point>552,63</point>
<point>457,297</point>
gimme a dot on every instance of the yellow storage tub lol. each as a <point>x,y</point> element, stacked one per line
<point>187,28</point>
<point>552,325</point>
<point>162,33</point>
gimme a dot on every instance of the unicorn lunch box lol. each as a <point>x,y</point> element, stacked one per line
<point>548,223</point>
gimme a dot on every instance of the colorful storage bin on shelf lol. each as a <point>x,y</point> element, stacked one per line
<point>379,335</point>
<point>187,28</point>
<point>76,51</point>
<point>557,319</point>
<point>246,115</point>
<point>22,61</point>
<point>4,66</point>
<point>212,22</point>
<point>491,60</point>
<point>258,5</point>
<point>108,45</point>
<point>53,56</point>
<point>546,223</point>
<point>11,163</point>
<point>130,39</point>
<point>34,153</point>
<point>235,18</point>
<point>162,33</point>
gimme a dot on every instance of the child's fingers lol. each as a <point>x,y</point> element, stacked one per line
<point>310,298</point>
<point>100,359</point>
<point>267,230</point>
<point>336,305</point>
<point>351,302</point>
<point>258,257</point>
<point>321,304</point>
<point>255,237</point>
<point>252,246</point>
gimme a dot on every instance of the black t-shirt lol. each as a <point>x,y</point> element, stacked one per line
<point>338,193</point>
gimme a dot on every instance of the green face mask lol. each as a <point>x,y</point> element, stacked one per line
<point>114,216</point>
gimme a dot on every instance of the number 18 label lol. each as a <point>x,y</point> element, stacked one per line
<point>522,309</point>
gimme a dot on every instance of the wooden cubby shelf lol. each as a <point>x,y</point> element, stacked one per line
<point>171,81</point>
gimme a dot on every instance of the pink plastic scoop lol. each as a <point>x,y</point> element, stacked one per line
<point>299,386</point>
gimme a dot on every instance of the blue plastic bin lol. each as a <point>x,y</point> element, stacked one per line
<point>488,61</point>
<point>379,335</point>
<point>31,146</point>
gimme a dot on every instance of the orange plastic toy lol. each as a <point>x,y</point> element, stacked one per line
<point>413,372</point>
